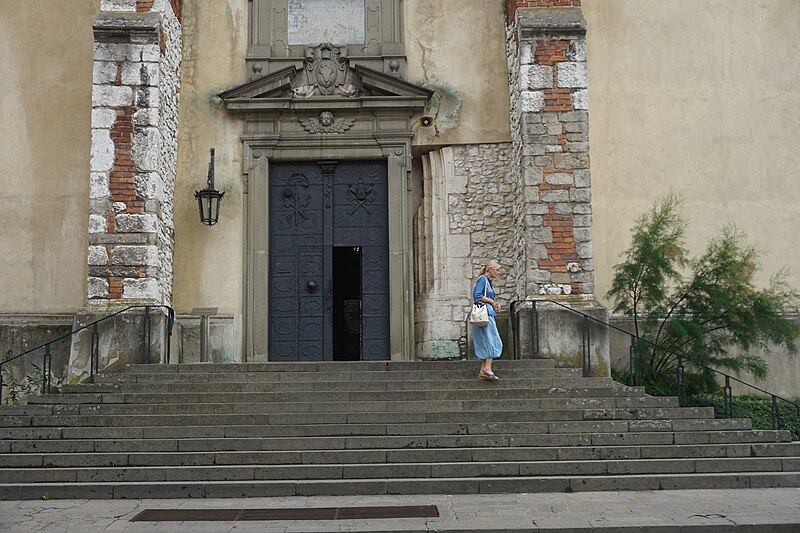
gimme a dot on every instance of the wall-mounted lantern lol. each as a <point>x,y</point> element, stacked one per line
<point>208,199</point>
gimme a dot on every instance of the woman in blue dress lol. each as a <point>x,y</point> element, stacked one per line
<point>486,339</point>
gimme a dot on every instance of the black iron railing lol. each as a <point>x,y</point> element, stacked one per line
<point>94,356</point>
<point>633,359</point>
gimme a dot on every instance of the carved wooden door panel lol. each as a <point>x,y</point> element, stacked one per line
<point>314,208</point>
<point>299,273</point>
<point>360,200</point>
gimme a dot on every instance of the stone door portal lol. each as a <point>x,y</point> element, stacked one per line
<point>329,261</point>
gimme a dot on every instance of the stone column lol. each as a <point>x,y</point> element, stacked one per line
<point>136,79</point>
<point>546,42</point>
<point>134,152</point>
<point>550,131</point>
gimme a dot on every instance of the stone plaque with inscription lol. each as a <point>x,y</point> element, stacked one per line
<point>333,21</point>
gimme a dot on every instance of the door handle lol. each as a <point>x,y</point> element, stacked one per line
<point>311,286</point>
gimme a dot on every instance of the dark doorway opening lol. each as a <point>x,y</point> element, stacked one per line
<point>347,303</point>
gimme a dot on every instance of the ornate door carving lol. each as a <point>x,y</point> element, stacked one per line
<point>305,225</point>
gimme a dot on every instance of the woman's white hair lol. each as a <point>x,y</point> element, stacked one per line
<point>491,263</point>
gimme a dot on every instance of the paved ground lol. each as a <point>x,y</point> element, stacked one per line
<point>772,510</point>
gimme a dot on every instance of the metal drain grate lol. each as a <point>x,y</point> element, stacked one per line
<point>292,513</point>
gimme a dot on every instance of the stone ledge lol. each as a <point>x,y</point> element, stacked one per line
<point>121,27</point>
<point>535,21</point>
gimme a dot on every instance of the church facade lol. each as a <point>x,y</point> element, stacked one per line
<point>373,154</point>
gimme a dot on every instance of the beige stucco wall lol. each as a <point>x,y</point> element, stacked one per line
<point>208,261</point>
<point>699,97</point>
<point>45,114</point>
<point>458,48</point>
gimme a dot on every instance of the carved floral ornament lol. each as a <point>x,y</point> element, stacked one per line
<point>326,123</point>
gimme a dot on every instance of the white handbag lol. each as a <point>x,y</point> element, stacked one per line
<point>479,316</point>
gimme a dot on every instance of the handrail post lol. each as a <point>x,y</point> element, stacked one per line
<point>534,330</point>
<point>728,394</point>
<point>170,323</point>
<point>2,383</point>
<point>146,336</point>
<point>776,416</point>
<point>511,317</point>
<point>587,347</point>
<point>633,362</point>
<point>47,363</point>
<point>681,386</point>
<point>94,358</point>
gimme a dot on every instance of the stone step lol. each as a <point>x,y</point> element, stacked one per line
<point>337,386</point>
<point>226,429</point>
<point>330,366</point>
<point>485,393</point>
<point>471,413</point>
<point>485,468</point>
<point>95,417</point>
<point>742,440</point>
<point>471,382</point>
<point>393,456</point>
<point>470,374</point>
<point>90,402</point>
<point>342,487</point>
<point>372,428</point>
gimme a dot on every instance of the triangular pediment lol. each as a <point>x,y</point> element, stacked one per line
<point>326,72</point>
<point>272,85</point>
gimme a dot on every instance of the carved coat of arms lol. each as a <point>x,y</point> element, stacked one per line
<point>326,73</point>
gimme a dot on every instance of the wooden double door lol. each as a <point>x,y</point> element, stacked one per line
<point>328,261</point>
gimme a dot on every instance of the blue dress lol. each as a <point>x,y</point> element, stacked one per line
<point>486,339</point>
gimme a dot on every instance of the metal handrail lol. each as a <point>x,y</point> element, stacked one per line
<point>633,362</point>
<point>94,361</point>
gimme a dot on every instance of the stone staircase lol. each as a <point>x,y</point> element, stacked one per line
<point>282,429</point>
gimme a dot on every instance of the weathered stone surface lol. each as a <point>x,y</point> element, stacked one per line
<point>572,75</point>
<point>141,289</point>
<point>144,74</point>
<point>102,156</point>
<point>97,224</point>
<point>98,185</point>
<point>560,179</point>
<point>571,161</point>
<point>580,99</point>
<point>118,5</point>
<point>97,288</point>
<point>536,77</point>
<point>104,72</point>
<point>532,101</point>
<point>136,223</point>
<point>125,52</point>
<point>111,96</point>
<point>98,255</point>
<point>146,148</point>
<point>134,255</point>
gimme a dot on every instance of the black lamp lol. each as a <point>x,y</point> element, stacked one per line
<point>208,199</point>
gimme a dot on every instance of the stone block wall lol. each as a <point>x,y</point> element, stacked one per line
<point>136,82</point>
<point>466,218</point>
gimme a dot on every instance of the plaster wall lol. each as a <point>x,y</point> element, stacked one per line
<point>208,261</point>
<point>458,49</point>
<point>45,114</point>
<point>699,97</point>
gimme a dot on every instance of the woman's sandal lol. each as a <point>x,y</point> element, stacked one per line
<point>487,376</point>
